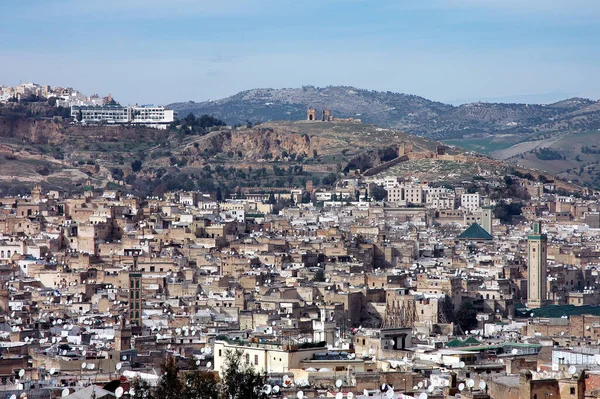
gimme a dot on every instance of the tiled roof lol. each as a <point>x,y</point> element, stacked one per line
<point>475,232</point>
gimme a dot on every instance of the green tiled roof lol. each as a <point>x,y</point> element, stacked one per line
<point>557,311</point>
<point>457,343</point>
<point>475,232</point>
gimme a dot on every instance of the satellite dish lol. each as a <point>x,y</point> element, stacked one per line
<point>52,371</point>
<point>131,392</point>
<point>461,365</point>
<point>461,387</point>
<point>124,358</point>
<point>365,392</point>
<point>22,373</point>
<point>514,351</point>
<point>338,383</point>
<point>83,353</point>
<point>470,383</point>
<point>300,394</point>
<point>119,392</point>
<point>208,365</point>
<point>118,366</point>
<point>423,395</point>
<point>91,366</point>
<point>198,362</point>
<point>65,392</point>
<point>350,395</point>
<point>389,393</point>
<point>83,365</point>
<point>383,387</point>
<point>13,396</point>
<point>420,384</point>
<point>339,395</point>
<point>64,352</point>
<point>276,389</point>
<point>267,389</point>
<point>482,385</point>
<point>572,370</point>
<point>431,388</point>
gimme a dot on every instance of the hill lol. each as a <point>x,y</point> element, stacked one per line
<point>54,151</point>
<point>572,156</point>
<point>409,113</point>
<point>202,154</point>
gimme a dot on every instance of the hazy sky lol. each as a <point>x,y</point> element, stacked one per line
<point>161,51</point>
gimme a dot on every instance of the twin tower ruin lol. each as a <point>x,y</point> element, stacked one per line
<point>311,115</point>
<point>326,116</point>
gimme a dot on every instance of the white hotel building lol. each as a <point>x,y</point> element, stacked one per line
<point>156,117</point>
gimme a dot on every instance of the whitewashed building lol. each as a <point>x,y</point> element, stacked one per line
<point>156,117</point>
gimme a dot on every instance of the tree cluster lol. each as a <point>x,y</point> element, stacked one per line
<point>548,154</point>
<point>505,212</point>
<point>192,125</point>
<point>239,381</point>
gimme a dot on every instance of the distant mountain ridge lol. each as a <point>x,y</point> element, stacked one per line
<point>410,113</point>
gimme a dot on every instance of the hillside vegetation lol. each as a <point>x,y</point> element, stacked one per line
<point>409,113</point>
<point>195,154</point>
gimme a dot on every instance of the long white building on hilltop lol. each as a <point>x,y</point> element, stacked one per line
<point>156,117</point>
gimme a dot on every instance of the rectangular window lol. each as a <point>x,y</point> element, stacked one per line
<point>256,360</point>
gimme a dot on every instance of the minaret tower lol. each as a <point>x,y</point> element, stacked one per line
<point>537,245</point>
<point>135,294</point>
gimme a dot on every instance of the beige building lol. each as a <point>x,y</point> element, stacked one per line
<point>272,357</point>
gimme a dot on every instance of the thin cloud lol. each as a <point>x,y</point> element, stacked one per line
<point>562,8</point>
<point>136,9</point>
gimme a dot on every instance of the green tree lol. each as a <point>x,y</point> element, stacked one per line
<point>169,386</point>
<point>117,173</point>
<point>200,384</point>
<point>466,315</point>
<point>141,389</point>
<point>319,276</point>
<point>241,381</point>
<point>306,197</point>
<point>379,193</point>
<point>136,166</point>
<point>505,212</point>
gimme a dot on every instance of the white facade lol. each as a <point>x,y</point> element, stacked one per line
<point>471,202</point>
<point>157,117</point>
<point>408,194</point>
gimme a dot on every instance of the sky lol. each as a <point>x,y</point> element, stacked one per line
<point>164,51</point>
